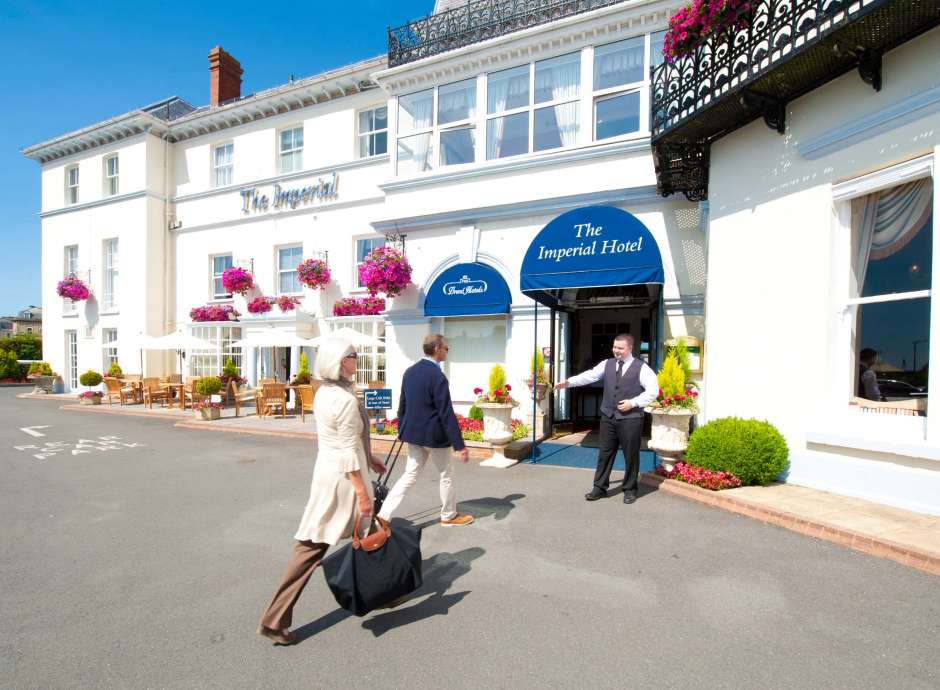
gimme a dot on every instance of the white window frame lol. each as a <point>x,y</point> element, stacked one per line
<point>111,186</point>
<point>898,429</point>
<point>642,87</point>
<point>109,353</point>
<point>357,286</point>
<point>69,268</point>
<point>222,336</point>
<point>292,152</point>
<point>368,134</point>
<point>226,169</point>
<point>278,270</point>
<point>215,296</point>
<point>71,185</point>
<point>421,130</point>
<point>110,269</point>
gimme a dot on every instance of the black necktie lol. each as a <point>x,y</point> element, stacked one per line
<point>619,367</point>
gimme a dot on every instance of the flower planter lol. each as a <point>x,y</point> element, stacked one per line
<point>540,390</point>
<point>93,400</point>
<point>210,413</point>
<point>670,434</point>
<point>497,430</point>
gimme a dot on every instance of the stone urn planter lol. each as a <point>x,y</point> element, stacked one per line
<point>670,434</point>
<point>497,429</point>
<point>210,413</point>
<point>538,391</point>
<point>90,399</point>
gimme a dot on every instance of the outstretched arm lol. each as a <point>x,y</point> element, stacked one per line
<point>584,378</point>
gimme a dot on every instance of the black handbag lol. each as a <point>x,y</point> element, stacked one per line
<point>374,570</point>
<point>380,485</point>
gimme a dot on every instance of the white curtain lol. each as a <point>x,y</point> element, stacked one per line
<point>886,221</point>
<point>415,111</point>
<point>567,118</point>
<point>620,66</point>
<point>558,78</point>
<point>456,102</point>
<point>503,93</point>
<point>414,153</point>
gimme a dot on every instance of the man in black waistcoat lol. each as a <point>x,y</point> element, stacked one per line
<point>629,386</point>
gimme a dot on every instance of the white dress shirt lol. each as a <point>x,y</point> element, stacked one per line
<point>647,380</point>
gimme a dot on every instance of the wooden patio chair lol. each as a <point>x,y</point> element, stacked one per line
<point>304,399</point>
<point>378,383</point>
<point>153,391</point>
<point>189,392</point>
<point>174,378</point>
<point>113,388</point>
<point>273,396</point>
<point>241,394</point>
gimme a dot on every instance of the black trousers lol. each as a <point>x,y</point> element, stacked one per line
<point>619,434</point>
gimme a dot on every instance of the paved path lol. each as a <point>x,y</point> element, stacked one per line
<point>147,566</point>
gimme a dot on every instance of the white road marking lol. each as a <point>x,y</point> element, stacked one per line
<point>30,429</point>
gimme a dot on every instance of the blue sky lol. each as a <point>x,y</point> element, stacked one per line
<point>68,64</point>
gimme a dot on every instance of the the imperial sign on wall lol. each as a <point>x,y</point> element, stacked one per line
<point>252,200</point>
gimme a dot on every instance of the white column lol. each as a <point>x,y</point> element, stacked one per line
<point>251,367</point>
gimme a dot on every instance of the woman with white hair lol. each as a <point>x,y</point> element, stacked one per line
<point>339,491</point>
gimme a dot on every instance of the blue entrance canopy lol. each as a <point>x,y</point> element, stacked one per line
<point>471,289</point>
<point>593,246</point>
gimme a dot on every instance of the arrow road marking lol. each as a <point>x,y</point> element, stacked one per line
<point>30,429</point>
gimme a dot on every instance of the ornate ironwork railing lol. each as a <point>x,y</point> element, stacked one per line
<point>789,48</point>
<point>477,21</point>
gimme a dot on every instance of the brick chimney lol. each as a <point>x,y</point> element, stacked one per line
<point>225,76</point>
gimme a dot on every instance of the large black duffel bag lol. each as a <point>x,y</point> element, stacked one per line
<point>374,570</point>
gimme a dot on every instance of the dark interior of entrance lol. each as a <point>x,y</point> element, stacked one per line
<point>588,319</point>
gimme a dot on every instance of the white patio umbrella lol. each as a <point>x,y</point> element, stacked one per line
<point>355,337</point>
<point>139,342</point>
<point>179,341</point>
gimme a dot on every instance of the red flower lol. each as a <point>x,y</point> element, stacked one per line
<point>477,391</point>
<point>508,387</point>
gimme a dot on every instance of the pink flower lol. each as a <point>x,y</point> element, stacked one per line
<point>237,280</point>
<point>477,391</point>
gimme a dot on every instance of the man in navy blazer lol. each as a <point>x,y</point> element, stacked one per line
<point>426,422</point>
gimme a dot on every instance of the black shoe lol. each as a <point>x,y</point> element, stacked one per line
<point>594,495</point>
<point>629,498</point>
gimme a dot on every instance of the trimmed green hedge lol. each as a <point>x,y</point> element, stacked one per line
<point>752,450</point>
<point>90,378</point>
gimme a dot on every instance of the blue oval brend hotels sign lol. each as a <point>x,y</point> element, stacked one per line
<point>470,289</point>
<point>594,246</point>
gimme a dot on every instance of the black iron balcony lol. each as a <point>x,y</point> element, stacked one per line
<point>790,48</point>
<point>477,21</point>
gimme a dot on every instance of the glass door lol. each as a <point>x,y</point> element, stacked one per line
<point>71,358</point>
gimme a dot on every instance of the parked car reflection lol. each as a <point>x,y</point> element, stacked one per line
<point>892,389</point>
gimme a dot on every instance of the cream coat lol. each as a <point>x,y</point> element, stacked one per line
<point>332,508</point>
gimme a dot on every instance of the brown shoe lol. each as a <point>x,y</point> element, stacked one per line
<point>281,637</point>
<point>457,521</point>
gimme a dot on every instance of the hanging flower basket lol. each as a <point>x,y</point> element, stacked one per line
<point>237,281</point>
<point>214,312</point>
<point>359,306</point>
<point>385,270</point>
<point>694,24</point>
<point>286,303</point>
<point>73,288</point>
<point>260,305</point>
<point>314,273</point>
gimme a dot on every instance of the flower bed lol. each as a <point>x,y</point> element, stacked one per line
<point>214,312</point>
<point>359,306</point>
<point>314,273</point>
<point>73,288</point>
<point>470,429</point>
<point>286,303</point>
<point>699,476</point>
<point>692,25</point>
<point>237,280</point>
<point>385,270</point>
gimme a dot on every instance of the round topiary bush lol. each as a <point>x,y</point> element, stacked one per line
<point>208,385</point>
<point>475,413</point>
<point>754,451</point>
<point>90,378</point>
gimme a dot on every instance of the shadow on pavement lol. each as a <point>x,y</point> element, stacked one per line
<point>488,506</point>
<point>440,571</point>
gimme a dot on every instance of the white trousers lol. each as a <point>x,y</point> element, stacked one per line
<point>417,459</point>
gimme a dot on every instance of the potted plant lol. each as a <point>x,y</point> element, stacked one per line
<point>90,379</point>
<point>675,405</point>
<point>115,371</point>
<point>260,305</point>
<point>214,312</point>
<point>287,303</point>
<point>207,387</point>
<point>497,403</point>
<point>540,384</point>
<point>359,306</point>
<point>303,376</point>
<point>230,373</point>
<point>73,288</point>
<point>314,273</point>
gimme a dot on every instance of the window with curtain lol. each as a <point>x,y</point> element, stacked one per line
<point>456,108</point>
<point>111,175</point>
<point>892,248</point>
<point>222,164</point>
<point>415,131</point>
<point>210,362</point>
<point>475,346</point>
<point>110,356</point>
<point>109,298</point>
<point>287,260</point>
<point>219,265</point>
<point>291,149</point>
<point>71,357</point>
<point>620,75</point>
<point>71,184</point>
<point>373,132</point>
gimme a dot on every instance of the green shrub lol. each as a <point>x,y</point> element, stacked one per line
<point>230,370</point>
<point>209,385</point>
<point>475,413</point>
<point>25,345</point>
<point>90,378</point>
<point>115,370</point>
<point>670,377</point>
<point>497,378</point>
<point>39,369</point>
<point>752,450</point>
<point>681,352</point>
<point>9,367</point>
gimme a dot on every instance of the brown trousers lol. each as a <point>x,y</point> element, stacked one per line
<point>305,559</point>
